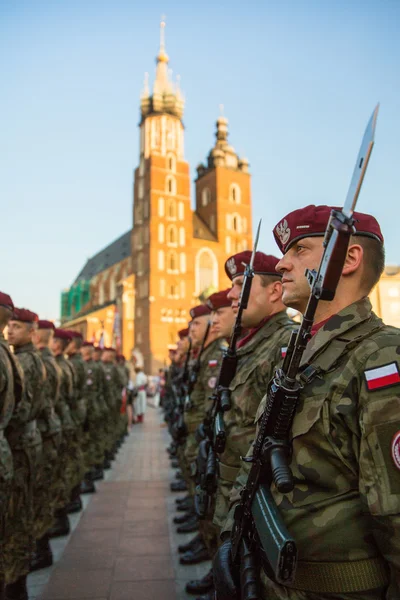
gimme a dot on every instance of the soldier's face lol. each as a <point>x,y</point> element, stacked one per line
<point>222,321</point>
<point>86,352</point>
<point>198,329</point>
<point>20,333</point>
<point>259,305</point>
<point>305,254</point>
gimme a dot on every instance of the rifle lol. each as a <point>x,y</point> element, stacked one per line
<point>258,523</point>
<point>214,426</point>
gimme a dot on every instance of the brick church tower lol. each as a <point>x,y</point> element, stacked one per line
<point>179,254</point>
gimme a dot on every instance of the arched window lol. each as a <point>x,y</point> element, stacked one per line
<point>171,163</point>
<point>173,292</point>
<point>183,289</point>
<point>161,260</point>
<point>161,208</point>
<point>236,223</point>
<point>181,236</point>
<point>205,197</point>
<point>182,262</point>
<point>171,211</point>
<point>172,261</point>
<point>161,233</point>
<point>234,193</point>
<point>172,235</point>
<point>206,270</point>
<point>170,185</point>
<point>181,211</point>
<point>228,222</point>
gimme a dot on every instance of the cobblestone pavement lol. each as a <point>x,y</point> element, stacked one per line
<point>123,545</point>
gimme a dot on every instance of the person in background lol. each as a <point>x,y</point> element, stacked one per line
<point>141,398</point>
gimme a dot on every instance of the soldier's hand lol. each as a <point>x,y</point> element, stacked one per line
<point>225,581</point>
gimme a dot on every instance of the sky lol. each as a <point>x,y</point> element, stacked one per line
<point>298,79</point>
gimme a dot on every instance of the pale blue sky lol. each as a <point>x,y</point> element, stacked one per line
<point>298,79</point>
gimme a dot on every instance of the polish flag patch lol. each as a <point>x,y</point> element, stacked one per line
<point>382,377</point>
<point>212,363</point>
<point>396,449</point>
<point>283,352</point>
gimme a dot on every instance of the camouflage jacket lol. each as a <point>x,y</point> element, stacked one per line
<point>210,361</point>
<point>256,364</point>
<point>346,451</point>
<point>100,378</point>
<point>11,385</point>
<point>112,385</point>
<point>93,384</point>
<point>78,407</point>
<point>66,394</point>
<point>48,421</point>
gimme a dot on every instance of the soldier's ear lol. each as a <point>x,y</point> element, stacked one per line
<point>276,291</point>
<point>354,259</point>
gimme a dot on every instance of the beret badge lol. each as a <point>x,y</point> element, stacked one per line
<point>283,231</point>
<point>231,266</point>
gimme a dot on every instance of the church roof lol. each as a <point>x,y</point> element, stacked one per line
<point>109,256</point>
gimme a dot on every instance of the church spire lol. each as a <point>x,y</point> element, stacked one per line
<point>167,96</point>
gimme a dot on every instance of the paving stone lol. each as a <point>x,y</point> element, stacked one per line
<point>144,568</point>
<point>76,584</point>
<point>143,590</point>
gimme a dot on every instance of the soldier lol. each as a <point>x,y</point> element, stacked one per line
<point>344,509</point>
<point>113,398</point>
<point>11,388</point>
<point>49,424</point>
<point>26,444</point>
<point>222,319</point>
<point>96,413</point>
<point>72,459</point>
<point>97,354</point>
<point>209,347</point>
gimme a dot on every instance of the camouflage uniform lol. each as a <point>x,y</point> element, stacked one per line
<point>210,361</point>
<point>11,382</point>
<point>113,391</point>
<point>93,447</point>
<point>26,444</point>
<point>71,454</point>
<point>344,511</point>
<point>49,425</point>
<point>256,363</point>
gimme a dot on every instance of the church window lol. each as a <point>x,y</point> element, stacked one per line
<point>172,262</point>
<point>161,207</point>
<point>234,193</point>
<point>182,262</point>
<point>183,289</point>
<point>236,223</point>
<point>155,133</point>
<point>206,271</point>
<point>170,185</point>
<point>205,197</point>
<point>162,288</point>
<point>181,211</point>
<point>212,222</point>
<point>161,260</point>
<point>161,233</point>
<point>171,213</point>
<point>228,222</point>
<point>171,163</point>
<point>181,236</point>
<point>228,244</point>
<point>173,291</point>
<point>172,235</point>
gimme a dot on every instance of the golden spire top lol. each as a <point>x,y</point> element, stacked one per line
<point>162,55</point>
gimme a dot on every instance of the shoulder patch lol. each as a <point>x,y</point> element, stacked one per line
<point>382,377</point>
<point>212,363</point>
<point>396,449</point>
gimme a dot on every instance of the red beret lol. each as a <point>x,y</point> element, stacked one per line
<point>219,300</point>
<point>63,334</point>
<point>264,264</point>
<point>5,300</point>
<point>42,324</point>
<point>25,315</point>
<point>312,220</point>
<point>199,311</point>
<point>75,334</point>
<point>87,344</point>
<point>121,356</point>
<point>183,333</point>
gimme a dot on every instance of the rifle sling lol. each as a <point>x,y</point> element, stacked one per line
<point>343,577</point>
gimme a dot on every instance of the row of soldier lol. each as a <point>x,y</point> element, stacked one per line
<point>60,427</point>
<point>345,440</point>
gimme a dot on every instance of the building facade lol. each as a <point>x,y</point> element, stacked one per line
<point>174,255</point>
